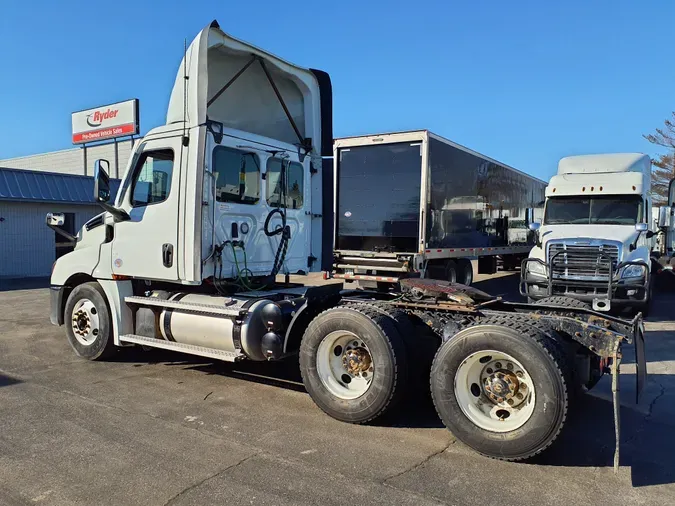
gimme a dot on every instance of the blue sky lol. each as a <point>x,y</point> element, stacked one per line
<point>524,82</point>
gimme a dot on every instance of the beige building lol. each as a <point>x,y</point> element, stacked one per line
<point>76,161</point>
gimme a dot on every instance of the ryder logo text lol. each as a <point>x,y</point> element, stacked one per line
<point>97,117</point>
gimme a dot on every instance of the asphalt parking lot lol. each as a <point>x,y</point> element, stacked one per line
<point>159,428</point>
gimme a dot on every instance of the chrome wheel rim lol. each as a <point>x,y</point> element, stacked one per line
<point>85,322</point>
<point>345,365</point>
<point>495,391</point>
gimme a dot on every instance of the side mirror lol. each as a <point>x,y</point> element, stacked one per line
<point>102,190</point>
<point>664,216</point>
<point>534,226</point>
<point>55,219</point>
<point>639,228</point>
<point>101,181</point>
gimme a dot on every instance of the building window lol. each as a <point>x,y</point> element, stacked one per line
<point>152,182</point>
<point>238,175</point>
<point>295,175</point>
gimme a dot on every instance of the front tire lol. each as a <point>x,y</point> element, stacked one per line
<point>353,363</point>
<point>88,322</point>
<point>466,386</point>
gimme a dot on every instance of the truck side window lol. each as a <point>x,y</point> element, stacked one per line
<point>152,181</point>
<point>238,175</point>
<point>294,189</point>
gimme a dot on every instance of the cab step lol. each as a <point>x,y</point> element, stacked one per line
<point>227,356</point>
<point>190,307</point>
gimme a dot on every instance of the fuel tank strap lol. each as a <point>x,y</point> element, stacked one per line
<point>239,321</point>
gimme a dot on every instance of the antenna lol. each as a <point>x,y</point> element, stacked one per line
<point>185,93</point>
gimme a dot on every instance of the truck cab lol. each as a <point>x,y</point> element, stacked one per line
<point>596,238</point>
<point>229,188</point>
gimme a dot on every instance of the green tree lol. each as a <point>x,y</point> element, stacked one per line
<point>663,166</point>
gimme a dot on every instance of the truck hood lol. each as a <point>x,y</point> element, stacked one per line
<point>235,83</point>
<point>623,234</point>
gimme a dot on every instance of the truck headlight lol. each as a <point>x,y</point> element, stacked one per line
<point>633,271</point>
<point>536,269</point>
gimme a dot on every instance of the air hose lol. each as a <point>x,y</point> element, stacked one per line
<point>284,230</point>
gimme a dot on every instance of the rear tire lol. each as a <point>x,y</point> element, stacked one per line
<point>446,271</point>
<point>464,272</point>
<point>88,323</point>
<point>450,271</point>
<point>486,428</point>
<point>510,263</point>
<point>340,392</point>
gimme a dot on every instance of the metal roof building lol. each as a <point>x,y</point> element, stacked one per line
<point>28,247</point>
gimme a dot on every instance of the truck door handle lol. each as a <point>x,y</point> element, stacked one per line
<point>167,255</point>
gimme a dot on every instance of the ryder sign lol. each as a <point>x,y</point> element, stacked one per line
<point>106,122</point>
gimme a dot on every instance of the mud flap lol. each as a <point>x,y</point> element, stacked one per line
<point>616,362</point>
<point>640,360</point>
<point>640,378</point>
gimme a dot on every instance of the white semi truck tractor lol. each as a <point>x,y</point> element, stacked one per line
<point>595,242</point>
<point>227,196</point>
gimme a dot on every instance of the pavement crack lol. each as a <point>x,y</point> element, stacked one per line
<point>210,477</point>
<point>654,401</point>
<point>647,417</point>
<point>419,464</point>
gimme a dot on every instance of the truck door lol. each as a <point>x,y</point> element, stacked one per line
<point>247,190</point>
<point>296,205</point>
<point>146,245</point>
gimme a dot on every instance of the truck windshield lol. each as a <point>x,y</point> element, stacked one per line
<point>605,210</point>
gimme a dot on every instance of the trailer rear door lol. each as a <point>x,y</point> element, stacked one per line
<point>378,197</point>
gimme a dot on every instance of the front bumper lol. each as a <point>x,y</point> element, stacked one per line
<point>615,291</point>
<point>56,294</point>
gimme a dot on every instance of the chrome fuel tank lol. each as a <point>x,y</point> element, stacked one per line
<point>218,331</point>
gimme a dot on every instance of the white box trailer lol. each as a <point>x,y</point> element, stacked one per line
<point>414,203</point>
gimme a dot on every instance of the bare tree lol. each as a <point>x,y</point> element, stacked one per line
<point>663,166</point>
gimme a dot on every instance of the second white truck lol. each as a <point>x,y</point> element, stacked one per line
<point>595,242</point>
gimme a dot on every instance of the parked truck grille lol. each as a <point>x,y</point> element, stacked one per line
<point>582,261</point>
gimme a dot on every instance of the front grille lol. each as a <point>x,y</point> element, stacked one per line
<point>588,262</point>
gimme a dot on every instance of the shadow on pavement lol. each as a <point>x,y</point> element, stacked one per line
<point>282,374</point>
<point>23,284</point>
<point>647,445</point>
<point>8,380</point>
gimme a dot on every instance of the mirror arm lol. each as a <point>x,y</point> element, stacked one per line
<point>118,214</point>
<point>63,233</point>
<point>633,245</point>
